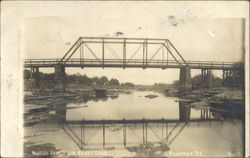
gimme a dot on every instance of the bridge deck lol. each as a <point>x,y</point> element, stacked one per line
<point>136,121</point>
<point>134,63</point>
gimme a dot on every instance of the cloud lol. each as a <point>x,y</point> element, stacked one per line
<point>174,21</point>
<point>118,33</point>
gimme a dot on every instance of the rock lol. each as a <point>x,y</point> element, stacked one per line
<point>231,94</point>
<point>151,96</point>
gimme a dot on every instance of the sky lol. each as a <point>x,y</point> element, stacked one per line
<point>214,39</point>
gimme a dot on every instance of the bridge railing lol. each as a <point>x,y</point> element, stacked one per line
<point>135,62</point>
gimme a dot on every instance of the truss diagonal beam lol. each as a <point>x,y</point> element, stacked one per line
<point>135,52</point>
<point>179,132</point>
<point>172,130</point>
<point>72,138</point>
<point>70,49</point>
<point>135,134</point>
<point>177,51</point>
<point>111,50</point>
<point>91,51</point>
<point>154,133</point>
<point>91,136</point>
<point>171,53</point>
<point>156,52</point>
<point>73,53</point>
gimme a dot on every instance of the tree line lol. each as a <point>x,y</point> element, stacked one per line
<point>80,79</point>
<point>197,82</point>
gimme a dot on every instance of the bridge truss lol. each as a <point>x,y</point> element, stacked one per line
<point>121,51</point>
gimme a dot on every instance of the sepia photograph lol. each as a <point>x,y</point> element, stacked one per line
<point>128,79</point>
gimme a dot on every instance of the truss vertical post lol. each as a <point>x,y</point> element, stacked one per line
<point>143,137</point>
<point>162,131</point>
<point>146,132</point>
<point>103,52</point>
<point>162,51</point>
<point>124,132</point>
<point>167,55</point>
<point>81,54</point>
<point>81,133</point>
<point>146,51</point>
<point>103,134</point>
<point>166,133</point>
<point>143,53</point>
<point>124,53</point>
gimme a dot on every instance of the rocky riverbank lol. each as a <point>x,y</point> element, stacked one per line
<point>43,106</point>
<point>223,101</point>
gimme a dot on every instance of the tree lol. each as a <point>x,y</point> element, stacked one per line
<point>104,80</point>
<point>129,84</point>
<point>113,82</point>
<point>196,81</point>
<point>95,81</point>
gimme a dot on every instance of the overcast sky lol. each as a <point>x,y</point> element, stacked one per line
<point>196,39</point>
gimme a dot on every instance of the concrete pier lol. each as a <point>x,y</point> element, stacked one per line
<point>184,111</point>
<point>35,78</point>
<point>185,79</point>
<point>59,78</point>
<point>206,77</point>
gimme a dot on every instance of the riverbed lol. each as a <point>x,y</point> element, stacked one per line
<point>223,137</point>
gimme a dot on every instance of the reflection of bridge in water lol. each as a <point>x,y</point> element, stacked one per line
<point>132,131</point>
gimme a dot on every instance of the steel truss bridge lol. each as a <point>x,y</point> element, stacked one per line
<point>148,53</point>
<point>106,52</point>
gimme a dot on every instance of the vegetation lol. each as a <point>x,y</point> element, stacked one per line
<point>46,80</point>
<point>78,80</point>
<point>197,82</point>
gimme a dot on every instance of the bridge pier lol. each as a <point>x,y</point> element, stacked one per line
<point>206,78</point>
<point>184,111</point>
<point>60,78</point>
<point>185,79</point>
<point>233,78</point>
<point>226,77</point>
<point>35,78</point>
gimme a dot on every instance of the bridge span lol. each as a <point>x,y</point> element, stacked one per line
<point>135,63</point>
<point>149,53</point>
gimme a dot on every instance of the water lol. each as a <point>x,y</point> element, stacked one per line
<point>221,138</point>
<point>129,106</point>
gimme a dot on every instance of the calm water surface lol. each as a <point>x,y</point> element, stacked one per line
<point>129,106</point>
